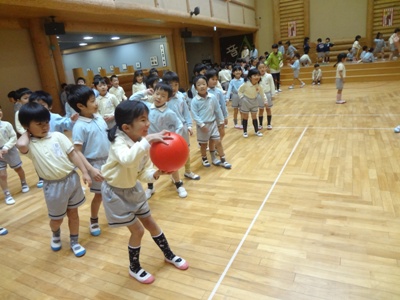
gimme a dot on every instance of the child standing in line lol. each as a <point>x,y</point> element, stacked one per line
<point>116,89</point>
<point>12,98</point>
<point>267,84</point>
<point>320,51</point>
<point>356,48</point>
<point>316,75</point>
<point>296,70</point>
<point>340,77</point>
<point>274,62</point>
<point>55,161</point>
<point>177,104</point>
<point>138,82</point>
<point>225,75</point>
<point>212,80</point>
<point>327,50</point>
<point>9,155</point>
<point>364,51</point>
<point>233,88</point>
<point>250,93</point>
<point>208,116</point>
<point>161,117</point>
<point>107,102</point>
<point>123,197</point>
<point>57,123</point>
<point>380,45</point>
<point>91,143</point>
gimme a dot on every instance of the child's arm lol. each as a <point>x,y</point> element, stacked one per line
<point>23,143</point>
<point>77,161</point>
<point>96,174</point>
<point>12,140</point>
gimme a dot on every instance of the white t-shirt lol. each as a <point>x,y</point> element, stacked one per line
<point>340,67</point>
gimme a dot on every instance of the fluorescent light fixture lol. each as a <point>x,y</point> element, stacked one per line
<point>114,38</point>
<point>58,37</point>
<point>87,37</point>
<point>83,44</point>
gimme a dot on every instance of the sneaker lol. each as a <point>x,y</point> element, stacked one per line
<point>55,243</point>
<point>182,192</point>
<point>276,91</point>
<point>205,163</point>
<point>39,185</point>
<point>216,162</point>
<point>340,102</point>
<point>269,127</point>
<point>260,127</point>
<point>245,135</point>
<point>226,165</point>
<point>149,193</point>
<point>192,175</point>
<point>313,83</point>
<point>397,129</point>
<point>318,83</point>
<point>237,126</point>
<point>291,87</point>
<point>3,231</point>
<point>9,200</point>
<point>95,229</point>
<point>178,262</point>
<point>302,85</point>
<point>279,90</point>
<point>259,134</point>
<point>142,276</point>
<point>78,250</point>
<point>25,188</point>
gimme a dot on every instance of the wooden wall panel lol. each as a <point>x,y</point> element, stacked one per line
<point>378,8</point>
<point>292,11</point>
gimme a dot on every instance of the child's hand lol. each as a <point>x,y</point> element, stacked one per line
<point>190,130</point>
<point>150,91</point>
<point>96,174</point>
<point>3,151</point>
<point>158,137</point>
<point>74,117</point>
<point>109,118</point>
<point>86,179</point>
<point>226,122</point>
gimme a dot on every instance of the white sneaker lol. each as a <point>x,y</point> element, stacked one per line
<point>25,188</point>
<point>269,127</point>
<point>291,87</point>
<point>9,200</point>
<point>182,192</point>
<point>313,83</point>
<point>397,129</point>
<point>340,102</point>
<point>149,192</point>
<point>302,85</point>
<point>192,175</point>
<point>259,134</point>
<point>3,231</point>
<point>279,90</point>
<point>245,135</point>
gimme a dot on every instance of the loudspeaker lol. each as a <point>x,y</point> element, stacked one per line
<point>54,28</point>
<point>186,34</point>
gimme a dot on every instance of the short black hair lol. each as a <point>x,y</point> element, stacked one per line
<point>41,95</point>
<point>211,73</point>
<point>33,112</point>
<point>164,87</point>
<point>150,81</point>
<point>197,78</point>
<point>22,91</point>
<point>78,94</point>
<point>170,77</point>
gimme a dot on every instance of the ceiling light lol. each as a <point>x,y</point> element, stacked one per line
<point>58,37</point>
<point>115,38</point>
<point>87,37</point>
<point>83,44</point>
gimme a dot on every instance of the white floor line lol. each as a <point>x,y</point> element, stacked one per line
<point>255,218</point>
<point>335,128</point>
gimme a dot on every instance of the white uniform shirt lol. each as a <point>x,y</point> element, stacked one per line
<point>118,92</point>
<point>340,67</point>
<point>8,137</point>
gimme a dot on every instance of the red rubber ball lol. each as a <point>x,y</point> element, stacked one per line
<point>172,156</point>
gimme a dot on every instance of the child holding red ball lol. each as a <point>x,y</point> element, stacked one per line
<point>124,199</point>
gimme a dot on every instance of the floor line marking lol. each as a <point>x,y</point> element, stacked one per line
<point>255,218</point>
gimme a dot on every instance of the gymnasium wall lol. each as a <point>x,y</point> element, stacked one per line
<point>18,67</point>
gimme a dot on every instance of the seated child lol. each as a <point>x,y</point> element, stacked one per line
<point>55,161</point>
<point>316,75</point>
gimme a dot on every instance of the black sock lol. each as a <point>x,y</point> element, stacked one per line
<point>57,233</point>
<point>134,259</point>
<point>94,220</point>
<point>255,125</point>
<point>260,120</point>
<point>150,186</point>
<point>244,122</point>
<point>73,239</point>
<point>178,184</point>
<point>269,118</point>
<point>162,242</point>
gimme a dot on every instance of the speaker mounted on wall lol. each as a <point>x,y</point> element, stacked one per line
<point>54,28</point>
<point>186,34</point>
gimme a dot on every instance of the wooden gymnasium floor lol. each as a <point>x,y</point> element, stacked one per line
<point>309,211</point>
